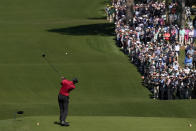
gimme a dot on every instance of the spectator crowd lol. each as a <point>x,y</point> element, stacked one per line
<point>153,45</point>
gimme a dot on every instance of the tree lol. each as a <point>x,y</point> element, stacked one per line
<point>167,10</point>
<point>183,13</point>
<point>129,12</point>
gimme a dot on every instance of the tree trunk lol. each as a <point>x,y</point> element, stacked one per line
<point>129,12</point>
<point>183,13</point>
<point>167,11</point>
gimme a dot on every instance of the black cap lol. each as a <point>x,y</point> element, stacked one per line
<point>43,55</point>
<point>20,112</point>
<point>75,80</point>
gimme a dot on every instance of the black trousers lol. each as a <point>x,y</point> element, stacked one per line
<point>63,105</point>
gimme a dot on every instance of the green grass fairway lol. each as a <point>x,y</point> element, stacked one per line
<point>109,94</point>
<point>100,123</point>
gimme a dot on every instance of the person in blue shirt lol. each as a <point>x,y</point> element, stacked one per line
<point>190,52</point>
<point>188,61</point>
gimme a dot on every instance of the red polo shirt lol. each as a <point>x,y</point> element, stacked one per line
<point>67,86</point>
<point>167,36</point>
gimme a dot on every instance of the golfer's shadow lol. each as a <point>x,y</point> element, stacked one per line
<point>103,29</point>
<point>58,123</point>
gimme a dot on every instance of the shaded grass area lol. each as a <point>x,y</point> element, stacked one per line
<point>103,29</point>
<point>98,18</point>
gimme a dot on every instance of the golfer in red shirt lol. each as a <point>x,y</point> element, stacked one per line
<point>63,98</point>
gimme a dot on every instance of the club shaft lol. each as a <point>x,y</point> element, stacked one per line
<point>53,67</point>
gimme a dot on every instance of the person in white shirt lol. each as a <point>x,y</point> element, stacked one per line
<point>182,33</point>
<point>186,70</point>
<point>177,49</point>
<point>175,65</point>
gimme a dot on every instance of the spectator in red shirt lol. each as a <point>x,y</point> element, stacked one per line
<point>63,98</point>
<point>167,36</point>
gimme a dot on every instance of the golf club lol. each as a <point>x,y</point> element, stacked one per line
<point>52,66</point>
<point>55,70</point>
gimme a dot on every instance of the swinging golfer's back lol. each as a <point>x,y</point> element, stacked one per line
<point>63,99</point>
<point>67,86</point>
